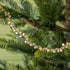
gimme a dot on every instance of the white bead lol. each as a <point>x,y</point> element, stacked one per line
<point>20,32</point>
<point>53,51</point>
<point>17,33</point>
<point>66,47</point>
<point>67,43</point>
<point>63,47</point>
<point>31,44</point>
<point>58,50</point>
<point>14,30</point>
<point>45,48</point>
<point>63,44</point>
<point>34,44</point>
<point>25,41</point>
<point>28,42</point>
<point>20,36</point>
<point>11,25</point>
<point>48,50</point>
<point>40,49</point>
<point>27,38</point>
<point>17,29</point>
<point>23,34</point>
<point>35,47</point>
<point>9,22</point>
<point>61,50</point>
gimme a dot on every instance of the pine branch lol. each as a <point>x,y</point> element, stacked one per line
<point>36,25</point>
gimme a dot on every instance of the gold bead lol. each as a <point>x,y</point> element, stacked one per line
<point>3,10</point>
<point>8,13</point>
<point>8,19</point>
<point>9,16</point>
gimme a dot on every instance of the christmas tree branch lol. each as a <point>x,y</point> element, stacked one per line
<point>36,25</point>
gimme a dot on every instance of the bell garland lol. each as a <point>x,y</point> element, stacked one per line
<point>18,32</point>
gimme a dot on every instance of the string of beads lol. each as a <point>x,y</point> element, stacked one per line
<point>21,34</point>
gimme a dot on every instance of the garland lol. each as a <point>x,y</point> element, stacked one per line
<point>18,32</point>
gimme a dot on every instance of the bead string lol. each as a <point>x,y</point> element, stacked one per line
<point>18,32</point>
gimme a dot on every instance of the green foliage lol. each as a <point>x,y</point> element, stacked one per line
<point>10,66</point>
<point>47,39</point>
<point>50,11</point>
<point>47,12</point>
<point>13,45</point>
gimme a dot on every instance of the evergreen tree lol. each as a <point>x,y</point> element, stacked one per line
<point>46,30</point>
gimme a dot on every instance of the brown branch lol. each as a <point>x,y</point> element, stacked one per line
<point>36,25</point>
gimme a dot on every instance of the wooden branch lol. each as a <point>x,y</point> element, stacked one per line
<point>36,25</point>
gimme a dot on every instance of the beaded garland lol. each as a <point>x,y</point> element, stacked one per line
<point>17,31</point>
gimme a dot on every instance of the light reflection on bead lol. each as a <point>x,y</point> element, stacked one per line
<point>35,47</point>
<point>9,22</point>
<point>40,49</point>
<point>20,36</point>
<point>14,30</point>
<point>17,29</point>
<point>34,44</point>
<point>54,51</point>
<point>20,32</point>
<point>61,50</point>
<point>17,33</point>
<point>63,44</point>
<point>27,38</point>
<point>31,44</point>
<point>48,50</point>
<point>25,41</point>
<point>66,47</point>
<point>67,43</point>
<point>11,25</point>
<point>23,34</point>
<point>58,50</point>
